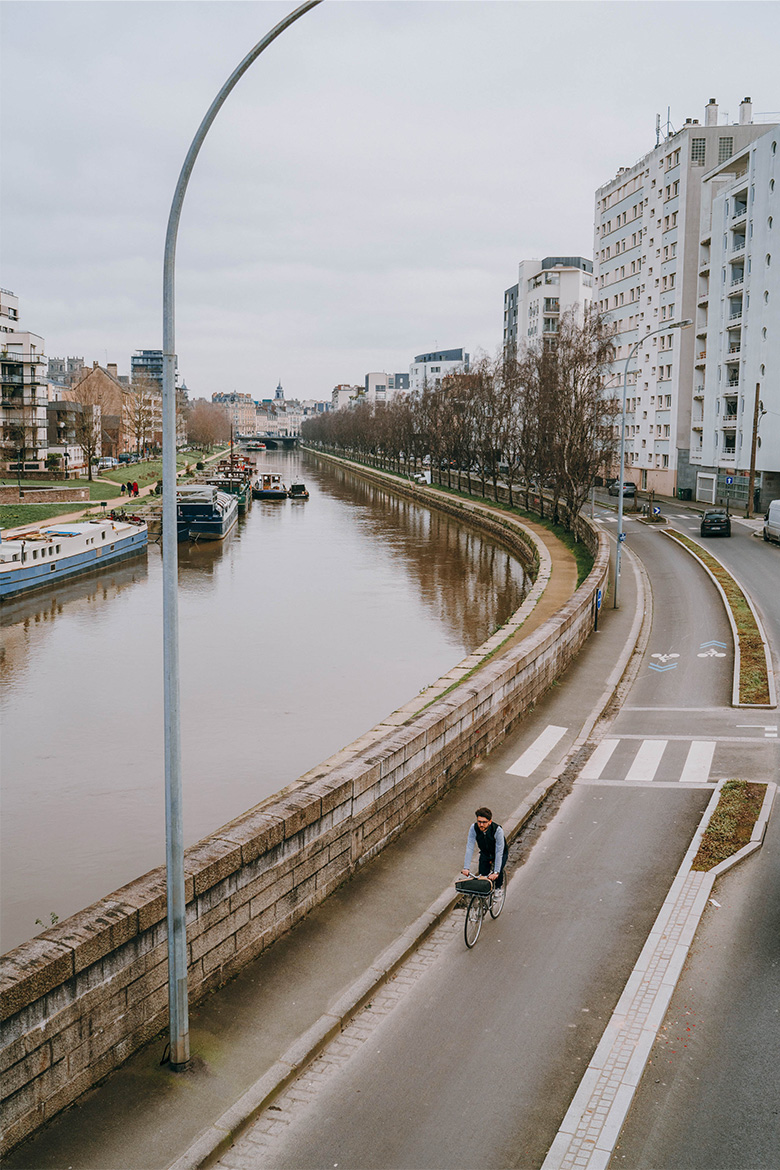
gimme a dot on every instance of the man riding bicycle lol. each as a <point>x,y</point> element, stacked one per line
<point>489,838</point>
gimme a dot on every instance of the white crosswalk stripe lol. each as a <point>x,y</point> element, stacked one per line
<point>698,763</point>
<point>647,759</point>
<point>532,757</point>
<point>631,760</point>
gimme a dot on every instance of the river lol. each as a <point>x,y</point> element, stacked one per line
<point>308,625</point>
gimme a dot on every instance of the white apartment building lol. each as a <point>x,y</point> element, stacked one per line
<point>428,369</point>
<point>24,385</point>
<point>544,289</point>
<point>383,387</point>
<point>343,396</point>
<point>737,362</point>
<point>646,254</point>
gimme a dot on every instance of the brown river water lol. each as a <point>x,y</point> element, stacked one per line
<point>307,626</point>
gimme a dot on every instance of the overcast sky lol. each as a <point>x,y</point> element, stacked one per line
<point>368,189</point>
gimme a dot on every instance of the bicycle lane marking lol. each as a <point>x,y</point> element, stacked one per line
<point>532,757</point>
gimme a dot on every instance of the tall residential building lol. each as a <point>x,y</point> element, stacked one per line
<point>646,257</point>
<point>148,363</point>
<point>382,387</point>
<point>428,369</point>
<point>737,362</point>
<point>544,289</point>
<point>23,382</point>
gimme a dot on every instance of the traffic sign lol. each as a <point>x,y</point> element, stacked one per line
<point>656,511</point>
<point>729,479</point>
<point>598,599</point>
<point>621,537</point>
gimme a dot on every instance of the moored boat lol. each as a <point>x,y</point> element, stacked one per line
<point>269,486</point>
<point>235,485</point>
<point>203,512</point>
<point>298,491</point>
<point>43,556</point>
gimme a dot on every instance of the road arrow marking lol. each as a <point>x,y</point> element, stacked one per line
<point>704,645</point>
<point>660,669</point>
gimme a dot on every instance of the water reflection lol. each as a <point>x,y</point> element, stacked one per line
<point>307,626</point>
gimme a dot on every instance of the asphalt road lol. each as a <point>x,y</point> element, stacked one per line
<point>478,1062</point>
<point>710,1096</point>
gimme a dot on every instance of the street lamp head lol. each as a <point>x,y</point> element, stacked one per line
<point>680,325</point>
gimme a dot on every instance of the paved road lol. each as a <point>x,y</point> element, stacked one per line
<point>709,1099</point>
<point>477,1062</point>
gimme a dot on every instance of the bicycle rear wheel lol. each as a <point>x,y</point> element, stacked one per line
<point>496,904</point>
<point>475,912</point>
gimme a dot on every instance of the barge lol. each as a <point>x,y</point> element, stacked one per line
<point>204,513</point>
<point>44,556</point>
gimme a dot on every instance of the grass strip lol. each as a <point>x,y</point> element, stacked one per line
<point>731,825</point>
<point>753,677</point>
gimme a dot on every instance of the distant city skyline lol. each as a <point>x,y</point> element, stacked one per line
<point>368,190</point>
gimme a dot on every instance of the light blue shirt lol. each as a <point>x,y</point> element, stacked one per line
<point>471,843</point>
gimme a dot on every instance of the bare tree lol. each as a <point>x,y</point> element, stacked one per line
<point>208,423</point>
<point>143,412</point>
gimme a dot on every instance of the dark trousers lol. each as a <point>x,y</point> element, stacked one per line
<point>486,866</point>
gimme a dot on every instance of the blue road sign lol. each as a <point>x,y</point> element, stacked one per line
<point>621,537</point>
<point>729,479</point>
<point>656,511</point>
<point>598,599</point>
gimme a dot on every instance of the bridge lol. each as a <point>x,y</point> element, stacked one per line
<point>273,442</point>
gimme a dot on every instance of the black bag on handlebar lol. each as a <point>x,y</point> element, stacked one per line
<point>474,885</point>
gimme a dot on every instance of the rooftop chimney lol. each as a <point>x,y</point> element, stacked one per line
<point>711,113</point>
<point>746,112</point>
<point>111,369</point>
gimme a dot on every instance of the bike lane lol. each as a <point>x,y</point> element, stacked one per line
<point>478,1062</point>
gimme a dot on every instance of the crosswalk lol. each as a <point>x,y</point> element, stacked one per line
<point>651,761</point>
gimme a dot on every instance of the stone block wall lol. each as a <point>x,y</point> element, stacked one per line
<point>78,999</point>
<point>64,495</point>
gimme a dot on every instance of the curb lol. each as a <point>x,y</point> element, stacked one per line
<point>734,633</point>
<point>590,1130</point>
<point>220,1136</point>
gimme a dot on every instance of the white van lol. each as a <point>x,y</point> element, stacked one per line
<point>772,522</point>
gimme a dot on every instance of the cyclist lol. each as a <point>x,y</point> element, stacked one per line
<point>489,837</point>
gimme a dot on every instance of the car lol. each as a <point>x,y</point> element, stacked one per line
<point>629,489</point>
<point>106,463</point>
<point>715,522</point>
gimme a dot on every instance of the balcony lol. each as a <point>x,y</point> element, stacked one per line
<point>738,244</point>
<point>698,393</point>
<point>697,426</point>
<point>733,353</point>
<point>738,278</point>
<point>701,358</point>
<point>733,384</point>
<point>735,320</point>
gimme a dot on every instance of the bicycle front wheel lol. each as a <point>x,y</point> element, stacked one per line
<point>497,900</point>
<point>474,915</point>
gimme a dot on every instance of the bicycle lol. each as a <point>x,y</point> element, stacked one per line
<point>484,898</point>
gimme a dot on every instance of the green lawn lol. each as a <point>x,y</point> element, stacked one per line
<point>97,491</point>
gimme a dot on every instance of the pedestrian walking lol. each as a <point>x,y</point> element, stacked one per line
<point>122,489</point>
<point>135,489</point>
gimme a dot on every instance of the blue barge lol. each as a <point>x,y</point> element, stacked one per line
<point>40,558</point>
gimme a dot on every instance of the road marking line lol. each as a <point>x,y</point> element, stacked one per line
<point>599,760</point>
<point>698,762</point>
<point>647,759</point>
<point>532,757</point>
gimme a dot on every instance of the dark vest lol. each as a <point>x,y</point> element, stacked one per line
<point>487,840</point>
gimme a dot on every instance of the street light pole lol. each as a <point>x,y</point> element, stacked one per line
<point>179,1037</point>
<point>620,533</point>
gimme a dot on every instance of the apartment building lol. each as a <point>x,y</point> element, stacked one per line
<point>242,411</point>
<point>343,396</point>
<point>428,369</point>
<point>544,289</point>
<point>736,390</point>
<point>24,389</point>
<point>646,254</point>
<point>382,387</point>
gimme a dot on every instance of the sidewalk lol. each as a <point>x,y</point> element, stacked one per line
<point>267,1019</point>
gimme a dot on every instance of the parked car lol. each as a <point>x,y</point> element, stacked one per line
<point>106,463</point>
<point>715,522</point>
<point>629,489</point>
<point>772,522</point>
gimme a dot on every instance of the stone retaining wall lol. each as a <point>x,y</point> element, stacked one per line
<point>65,495</point>
<point>78,999</point>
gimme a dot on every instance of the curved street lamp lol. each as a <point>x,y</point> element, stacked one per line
<point>620,533</point>
<point>174,836</point>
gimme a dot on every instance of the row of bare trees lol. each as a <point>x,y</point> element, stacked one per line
<point>539,422</point>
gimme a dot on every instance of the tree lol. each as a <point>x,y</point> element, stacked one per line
<point>208,423</point>
<point>143,412</point>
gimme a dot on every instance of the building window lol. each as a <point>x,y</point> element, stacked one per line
<point>725,148</point>
<point>698,149</point>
